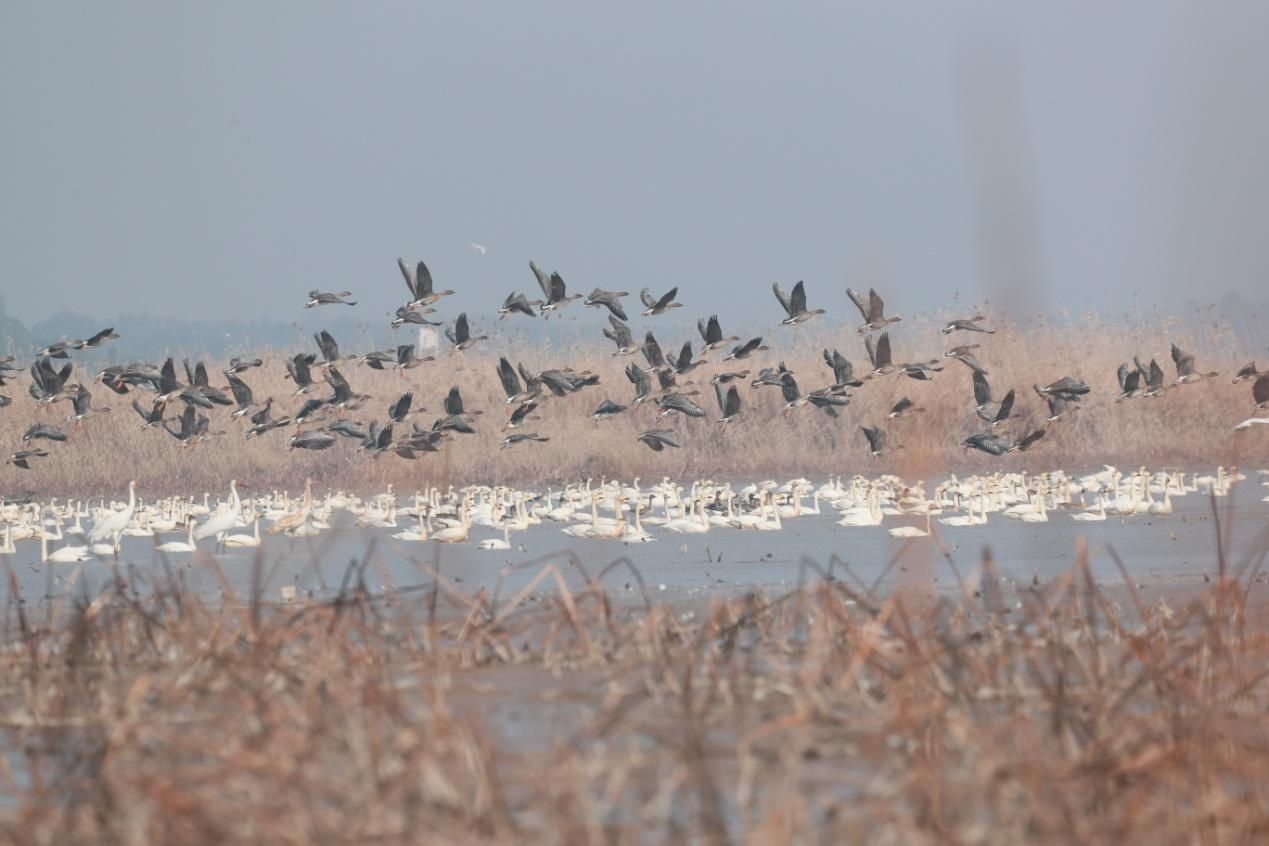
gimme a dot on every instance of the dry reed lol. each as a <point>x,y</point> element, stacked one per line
<point>1008,713</point>
<point>1187,427</point>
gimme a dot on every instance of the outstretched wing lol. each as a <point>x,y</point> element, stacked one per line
<point>544,281</point>
<point>876,308</point>
<point>783,299</point>
<point>409,278</point>
<point>646,297</point>
<point>982,389</point>
<point>798,300</point>
<point>858,299</point>
<point>668,298</point>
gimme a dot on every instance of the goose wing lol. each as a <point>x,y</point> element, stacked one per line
<point>668,298</point>
<point>241,390</point>
<point>1006,408</point>
<point>982,390</point>
<point>454,402</point>
<point>507,375</point>
<point>544,281</point>
<point>409,278</point>
<point>789,388</point>
<point>876,308</point>
<point>783,298</point>
<point>326,343</point>
<point>399,409</point>
<point>858,299</point>
<point>798,299</point>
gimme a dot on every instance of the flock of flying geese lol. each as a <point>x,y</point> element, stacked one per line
<point>655,380</point>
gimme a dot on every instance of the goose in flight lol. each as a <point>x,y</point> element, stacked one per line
<point>967,325</point>
<point>684,363</point>
<point>642,384</point>
<point>154,416</point>
<point>511,384</point>
<point>343,398</point>
<point>770,376</point>
<point>1061,405</point>
<point>454,405</point>
<point>419,283</point>
<point>607,409</point>
<point>82,401</point>
<point>22,458</point>
<point>557,295</point>
<point>320,298</point>
<point>43,431</point>
<point>712,335</point>
<point>1260,391</point>
<point>657,439</point>
<point>902,407</point>
<point>610,300</point>
<point>520,437</point>
<point>728,403</point>
<point>743,351</point>
<point>329,349</point>
<point>876,438</point>
<point>794,304</point>
<point>1027,441</point>
<point>413,316</point>
<point>1152,376</point>
<point>48,385</point>
<point>679,403</point>
<point>311,440</point>
<point>1072,388</point>
<point>515,303</point>
<point>826,399</point>
<point>988,443</point>
<point>243,396</point>
<point>993,413</point>
<point>1129,378</point>
<point>298,370</point>
<point>460,336</point>
<point>347,429</point>
<point>655,307</point>
<point>1247,372</point>
<point>262,421</point>
<point>843,370</point>
<point>407,360</point>
<point>727,377</point>
<point>96,340</point>
<point>620,335</point>
<point>653,355</point>
<point>193,426</point>
<point>873,311</point>
<point>882,363</point>
<point>520,414</point>
<point>378,359</point>
<point>1186,372</point>
<point>400,407</point>
<point>964,356</point>
<point>58,349</point>
<point>238,365</point>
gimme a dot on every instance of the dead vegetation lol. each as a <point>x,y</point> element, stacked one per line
<point>1005,713</point>
<point>1190,426</point>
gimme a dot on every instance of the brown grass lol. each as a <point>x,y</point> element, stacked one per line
<point>1191,426</point>
<point>1055,713</point>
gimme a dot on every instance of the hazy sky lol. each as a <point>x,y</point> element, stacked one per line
<point>226,158</point>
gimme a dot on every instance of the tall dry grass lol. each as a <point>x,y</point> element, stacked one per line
<point>1009,713</point>
<point>1190,426</point>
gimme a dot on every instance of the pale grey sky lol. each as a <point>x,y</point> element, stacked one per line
<point>226,158</point>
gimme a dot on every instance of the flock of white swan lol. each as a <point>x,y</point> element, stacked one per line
<point>607,510</point>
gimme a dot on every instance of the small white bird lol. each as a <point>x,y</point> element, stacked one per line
<point>480,248</point>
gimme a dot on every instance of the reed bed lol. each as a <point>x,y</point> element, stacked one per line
<point>573,712</point>
<point>1187,427</point>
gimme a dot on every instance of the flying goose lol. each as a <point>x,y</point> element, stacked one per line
<point>319,298</point>
<point>43,431</point>
<point>872,311</point>
<point>876,437</point>
<point>511,383</point>
<point>407,360</point>
<point>1027,441</point>
<point>311,440</point>
<point>298,371</point>
<point>653,355</point>
<point>743,351</point>
<point>679,403</point>
<point>684,364</point>
<point>1061,405</point>
<point>1186,372</point>
<point>378,359</point>
<point>993,413</point>
<point>642,384</point>
<point>656,307</point>
<point>48,385</point>
<point>843,370</point>
<point>57,349</point>
<point>556,294</point>
<point>238,365</point>
<point>607,409</point>
<point>520,437</point>
<point>521,413</point>
<point>152,417</point>
<point>727,377</point>
<point>460,336</point>
<point>329,349</point>
<point>193,427</point>
<point>772,376</point>
<point>608,299</point>
<point>1067,385</point>
<point>96,340</point>
<point>620,335</point>
<point>413,316</point>
<point>712,334</point>
<point>343,398</point>
<point>347,429</point>
<point>419,283</point>
<point>794,305</point>
<point>880,357</point>
<point>400,408</point>
<point>1129,378</point>
<point>964,356</point>
<point>454,404</point>
<point>377,441</point>
<point>728,404</point>
<point>82,400</point>
<point>515,303</point>
<point>22,457</point>
<point>1247,372</point>
<point>968,325</point>
<point>902,407</point>
<point>657,439</point>
<point>988,443</point>
<point>1152,376</point>
<point>243,396</point>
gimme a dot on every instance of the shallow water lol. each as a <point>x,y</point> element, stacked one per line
<point>1178,548</point>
